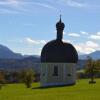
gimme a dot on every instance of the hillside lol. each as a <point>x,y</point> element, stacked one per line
<point>20,64</point>
<point>6,53</point>
<point>95,55</point>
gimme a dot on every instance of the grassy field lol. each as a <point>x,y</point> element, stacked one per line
<point>81,91</point>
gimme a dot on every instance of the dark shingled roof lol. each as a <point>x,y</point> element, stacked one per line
<point>57,51</point>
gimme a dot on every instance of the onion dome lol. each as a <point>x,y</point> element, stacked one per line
<point>57,51</point>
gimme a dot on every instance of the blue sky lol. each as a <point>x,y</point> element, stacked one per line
<point>26,25</point>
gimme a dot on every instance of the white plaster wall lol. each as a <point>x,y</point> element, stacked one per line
<point>66,74</point>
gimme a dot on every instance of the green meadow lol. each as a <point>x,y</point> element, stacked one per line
<point>81,91</point>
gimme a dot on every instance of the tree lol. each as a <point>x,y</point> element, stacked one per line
<point>2,79</point>
<point>91,69</point>
<point>97,64</point>
<point>27,77</point>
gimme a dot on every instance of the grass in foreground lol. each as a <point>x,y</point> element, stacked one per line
<point>81,91</point>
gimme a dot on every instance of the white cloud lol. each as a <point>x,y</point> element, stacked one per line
<point>84,50</point>
<point>84,33</point>
<point>9,2</point>
<point>6,11</point>
<point>92,44</point>
<point>38,44</point>
<point>43,5</point>
<point>95,37</point>
<point>98,33</point>
<point>80,4</point>
<point>87,47</point>
<point>68,41</point>
<point>34,42</point>
<point>13,1</point>
<point>64,32</point>
<point>23,6</point>
<point>74,34</point>
<point>73,3</point>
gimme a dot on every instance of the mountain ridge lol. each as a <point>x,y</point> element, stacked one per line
<point>6,53</point>
<point>94,55</point>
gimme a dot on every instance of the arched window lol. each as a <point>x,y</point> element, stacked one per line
<point>55,71</point>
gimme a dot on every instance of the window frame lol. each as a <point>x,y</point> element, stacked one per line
<point>55,70</point>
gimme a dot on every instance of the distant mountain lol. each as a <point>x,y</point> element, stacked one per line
<point>34,59</point>
<point>25,56</point>
<point>95,55</point>
<point>6,53</point>
<point>20,64</point>
<point>10,60</point>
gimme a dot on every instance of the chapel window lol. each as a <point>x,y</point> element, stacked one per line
<point>55,71</point>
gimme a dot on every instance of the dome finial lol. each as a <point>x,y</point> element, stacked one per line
<point>60,17</point>
<point>60,27</point>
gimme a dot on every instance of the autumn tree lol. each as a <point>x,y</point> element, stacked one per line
<point>91,69</point>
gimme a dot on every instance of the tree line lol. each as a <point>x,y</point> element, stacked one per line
<point>26,76</point>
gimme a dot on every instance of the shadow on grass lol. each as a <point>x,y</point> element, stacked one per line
<point>47,87</point>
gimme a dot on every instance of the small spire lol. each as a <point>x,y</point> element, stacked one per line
<point>60,27</point>
<point>60,17</point>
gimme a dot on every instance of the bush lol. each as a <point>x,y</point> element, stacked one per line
<point>27,77</point>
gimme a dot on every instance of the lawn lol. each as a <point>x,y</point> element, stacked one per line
<point>81,91</point>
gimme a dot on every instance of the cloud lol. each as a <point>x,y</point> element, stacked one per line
<point>73,3</point>
<point>73,34</point>
<point>95,37</point>
<point>64,32</point>
<point>23,6</point>
<point>84,33</point>
<point>9,3</point>
<point>80,4</point>
<point>92,44</point>
<point>34,42</point>
<point>13,1</point>
<point>6,11</point>
<point>87,47</point>
<point>9,7</point>
<point>43,5</point>
<point>68,41</point>
<point>84,50</point>
<point>98,33</point>
<point>38,44</point>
